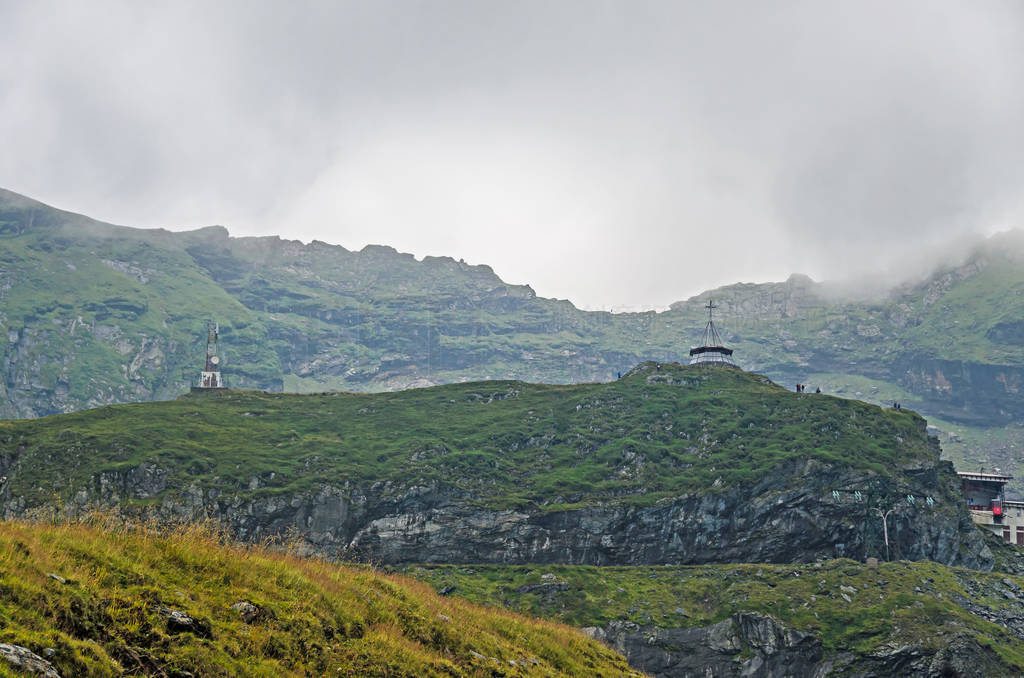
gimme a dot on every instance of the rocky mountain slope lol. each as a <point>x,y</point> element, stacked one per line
<point>96,314</point>
<point>827,618</point>
<point>670,464</point>
<point>667,465</point>
<point>89,602</point>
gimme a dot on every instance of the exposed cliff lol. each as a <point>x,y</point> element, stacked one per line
<point>827,618</point>
<point>670,464</point>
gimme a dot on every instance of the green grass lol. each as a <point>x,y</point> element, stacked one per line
<point>318,618</point>
<point>956,326</point>
<point>660,431</point>
<point>897,603</point>
<point>968,447</point>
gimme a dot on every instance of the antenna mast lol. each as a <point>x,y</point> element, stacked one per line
<point>711,336</point>
<point>212,330</point>
<point>210,377</point>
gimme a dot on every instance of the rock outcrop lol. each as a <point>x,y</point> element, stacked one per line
<point>746,644</point>
<point>788,516</point>
<point>26,661</point>
<point>751,645</point>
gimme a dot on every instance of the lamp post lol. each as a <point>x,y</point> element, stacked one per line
<point>885,528</point>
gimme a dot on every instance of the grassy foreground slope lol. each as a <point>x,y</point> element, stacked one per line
<point>660,431</point>
<point>863,616</point>
<point>101,602</point>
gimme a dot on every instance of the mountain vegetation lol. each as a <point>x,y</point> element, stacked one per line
<point>549,440</point>
<point>97,314</point>
<point>671,463</point>
<point>660,431</point>
<point>84,601</point>
<point>839,616</point>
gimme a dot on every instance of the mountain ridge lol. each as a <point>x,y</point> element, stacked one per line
<point>1011,240</point>
<point>97,314</point>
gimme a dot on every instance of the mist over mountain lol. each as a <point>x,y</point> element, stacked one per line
<point>460,254</point>
<point>582,149</point>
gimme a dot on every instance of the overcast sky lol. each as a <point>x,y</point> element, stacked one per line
<point>619,154</point>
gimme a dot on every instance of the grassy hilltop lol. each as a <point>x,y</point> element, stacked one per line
<point>97,314</point>
<point>99,603</point>
<point>660,431</point>
<point>669,464</point>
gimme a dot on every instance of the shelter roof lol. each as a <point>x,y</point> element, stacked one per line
<point>985,477</point>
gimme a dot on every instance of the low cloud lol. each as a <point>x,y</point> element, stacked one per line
<point>616,154</point>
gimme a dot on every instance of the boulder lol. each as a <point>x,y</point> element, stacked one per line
<point>180,622</point>
<point>23,659</point>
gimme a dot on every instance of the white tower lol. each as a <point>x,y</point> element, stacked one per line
<point>210,378</point>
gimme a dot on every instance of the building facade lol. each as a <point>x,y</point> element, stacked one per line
<point>988,506</point>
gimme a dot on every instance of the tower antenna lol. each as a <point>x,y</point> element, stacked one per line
<point>210,378</point>
<point>711,351</point>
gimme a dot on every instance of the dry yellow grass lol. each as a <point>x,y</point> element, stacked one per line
<point>319,618</point>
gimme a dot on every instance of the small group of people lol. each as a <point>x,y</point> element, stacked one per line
<point>800,388</point>
<point>896,405</point>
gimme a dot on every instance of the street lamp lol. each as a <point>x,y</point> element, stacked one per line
<point>885,528</point>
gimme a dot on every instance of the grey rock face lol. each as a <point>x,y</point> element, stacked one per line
<point>790,515</point>
<point>962,657</point>
<point>748,645</point>
<point>965,391</point>
<point>745,644</point>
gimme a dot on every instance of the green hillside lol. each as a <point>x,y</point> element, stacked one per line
<point>865,621</point>
<point>140,602</point>
<point>97,314</point>
<point>669,464</point>
<point>660,431</point>
<point>109,313</point>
